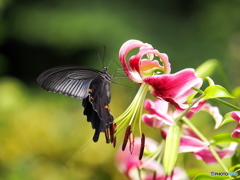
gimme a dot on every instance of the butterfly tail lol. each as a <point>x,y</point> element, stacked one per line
<point>96,135</point>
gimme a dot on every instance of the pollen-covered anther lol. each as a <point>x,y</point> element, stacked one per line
<point>112,132</point>
<point>131,141</point>
<point>107,135</point>
<point>126,137</point>
<point>89,90</point>
<point>142,147</point>
<point>91,98</point>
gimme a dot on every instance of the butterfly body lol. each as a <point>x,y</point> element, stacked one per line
<point>91,85</point>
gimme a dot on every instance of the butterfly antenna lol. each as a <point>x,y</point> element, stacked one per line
<point>110,63</point>
<point>99,58</point>
<point>117,64</point>
<point>104,53</point>
<point>121,84</point>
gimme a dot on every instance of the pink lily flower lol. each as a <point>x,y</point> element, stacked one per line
<point>174,88</point>
<point>144,169</point>
<point>139,67</point>
<point>151,70</point>
<point>236,116</point>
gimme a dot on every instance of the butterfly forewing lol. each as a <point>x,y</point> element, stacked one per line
<point>69,80</point>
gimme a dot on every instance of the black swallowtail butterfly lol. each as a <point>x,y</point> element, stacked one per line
<point>91,85</point>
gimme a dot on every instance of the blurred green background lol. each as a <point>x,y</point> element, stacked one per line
<point>44,136</point>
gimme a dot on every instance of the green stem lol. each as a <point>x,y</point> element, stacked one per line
<point>195,130</point>
<point>190,106</point>
<point>227,104</point>
<point>216,156</point>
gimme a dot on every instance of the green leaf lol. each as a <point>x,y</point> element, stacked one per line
<point>234,171</point>
<point>236,92</point>
<point>207,68</point>
<point>190,98</point>
<point>171,148</point>
<point>216,91</point>
<point>223,138</point>
<point>226,119</point>
<point>235,163</point>
<point>210,81</point>
<point>207,177</point>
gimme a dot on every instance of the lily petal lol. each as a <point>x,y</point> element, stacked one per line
<point>236,132</point>
<point>214,111</point>
<point>191,144</point>
<point>236,115</point>
<point>124,50</point>
<point>189,132</point>
<point>174,88</point>
<point>156,107</point>
<point>135,69</point>
<point>156,121</point>
<point>207,156</point>
<point>158,116</point>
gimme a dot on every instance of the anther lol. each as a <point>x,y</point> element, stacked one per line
<point>125,140</point>
<point>131,140</point>
<point>142,146</point>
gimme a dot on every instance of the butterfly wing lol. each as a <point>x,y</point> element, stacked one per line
<point>69,80</point>
<point>99,97</point>
<point>92,116</point>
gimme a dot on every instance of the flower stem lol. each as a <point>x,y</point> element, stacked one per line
<point>195,130</point>
<point>216,156</point>
<point>190,106</point>
<point>227,104</point>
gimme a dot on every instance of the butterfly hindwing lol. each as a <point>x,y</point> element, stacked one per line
<point>99,98</point>
<point>92,116</point>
